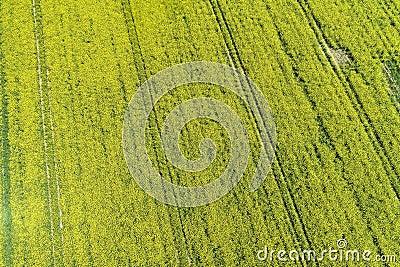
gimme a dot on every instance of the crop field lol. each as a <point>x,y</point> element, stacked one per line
<point>329,70</point>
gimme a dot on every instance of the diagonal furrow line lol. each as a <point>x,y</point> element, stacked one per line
<point>141,70</point>
<point>48,148</point>
<point>236,62</point>
<point>355,100</point>
<point>325,49</point>
<point>307,95</point>
<point>321,126</point>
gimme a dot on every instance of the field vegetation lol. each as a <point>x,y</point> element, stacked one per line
<point>68,70</point>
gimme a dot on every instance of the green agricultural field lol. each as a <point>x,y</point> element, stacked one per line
<point>329,70</point>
